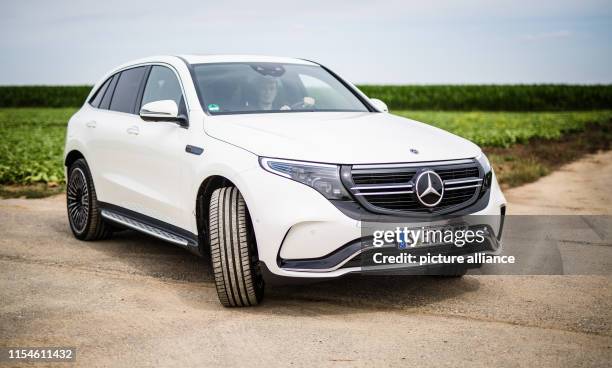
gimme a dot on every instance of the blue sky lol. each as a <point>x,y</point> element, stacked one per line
<point>391,42</point>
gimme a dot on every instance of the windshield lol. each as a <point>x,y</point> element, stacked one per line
<point>240,88</point>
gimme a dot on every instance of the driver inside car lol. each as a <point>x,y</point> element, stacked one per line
<point>266,91</point>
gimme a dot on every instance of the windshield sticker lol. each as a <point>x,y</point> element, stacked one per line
<point>213,107</point>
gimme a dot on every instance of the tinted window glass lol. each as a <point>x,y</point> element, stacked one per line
<point>109,93</point>
<point>126,91</point>
<point>163,85</point>
<point>95,100</point>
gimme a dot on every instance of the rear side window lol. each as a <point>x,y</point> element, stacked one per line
<point>126,91</point>
<point>108,94</point>
<point>97,98</point>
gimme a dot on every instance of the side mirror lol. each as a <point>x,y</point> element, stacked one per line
<point>379,105</point>
<point>163,110</point>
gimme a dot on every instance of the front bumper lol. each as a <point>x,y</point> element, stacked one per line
<point>296,225</point>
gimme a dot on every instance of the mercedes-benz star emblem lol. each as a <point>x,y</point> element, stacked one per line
<point>429,188</point>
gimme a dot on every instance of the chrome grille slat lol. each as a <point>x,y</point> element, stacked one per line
<point>449,182</point>
<point>367,178</point>
<point>463,187</point>
<point>382,187</point>
<point>414,164</point>
<point>377,193</point>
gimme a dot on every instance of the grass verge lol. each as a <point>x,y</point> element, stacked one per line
<point>524,163</point>
<point>37,190</point>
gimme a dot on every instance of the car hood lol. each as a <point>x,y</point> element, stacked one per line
<point>339,137</point>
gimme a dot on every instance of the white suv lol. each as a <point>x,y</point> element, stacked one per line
<point>268,165</point>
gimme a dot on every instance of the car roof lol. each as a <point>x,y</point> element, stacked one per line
<point>202,59</point>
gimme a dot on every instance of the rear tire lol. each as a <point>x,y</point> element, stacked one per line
<point>233,250</point>
<point>84,216</point>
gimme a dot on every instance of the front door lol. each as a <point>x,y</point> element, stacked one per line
<point>161,163</point>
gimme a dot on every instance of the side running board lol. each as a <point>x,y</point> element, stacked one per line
<point>148,229</point>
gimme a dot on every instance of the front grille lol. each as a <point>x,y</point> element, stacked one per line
<point>383,177</point>
<point>466,172</point>
<point>391,189</point>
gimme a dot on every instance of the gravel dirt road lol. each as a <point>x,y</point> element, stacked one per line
<point>135,301</point>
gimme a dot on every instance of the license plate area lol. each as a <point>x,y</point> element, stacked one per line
<point>429,236</point>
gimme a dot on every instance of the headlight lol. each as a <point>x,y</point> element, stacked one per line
<point>486,166</point>
<point>322,177</point>
<point>484,162</point>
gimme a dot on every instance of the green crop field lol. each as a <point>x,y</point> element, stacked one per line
<point>32,144</point>
<point>503,129</point>
<point>537,97</point>
<point>33,138</point>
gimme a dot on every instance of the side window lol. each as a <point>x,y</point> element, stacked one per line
<point>97,98</point>
<point>163,85</point>
<point>108,94</point>
<point>126,90</point>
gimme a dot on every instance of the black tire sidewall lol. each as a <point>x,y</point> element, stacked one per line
<point>224,286</point>
<point>82,165</point>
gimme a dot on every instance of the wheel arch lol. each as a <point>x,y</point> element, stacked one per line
<point>72,156</point>
<point>205,191</point>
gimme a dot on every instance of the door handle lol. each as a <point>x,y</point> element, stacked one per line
<point>91,124</point>
<point>133,130</point>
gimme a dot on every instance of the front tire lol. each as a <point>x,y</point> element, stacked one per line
<point>233,250</point>
<point>84,216</point>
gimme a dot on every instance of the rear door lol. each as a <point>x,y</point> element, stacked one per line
<point>99,137</point>
<point>116,127</point>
